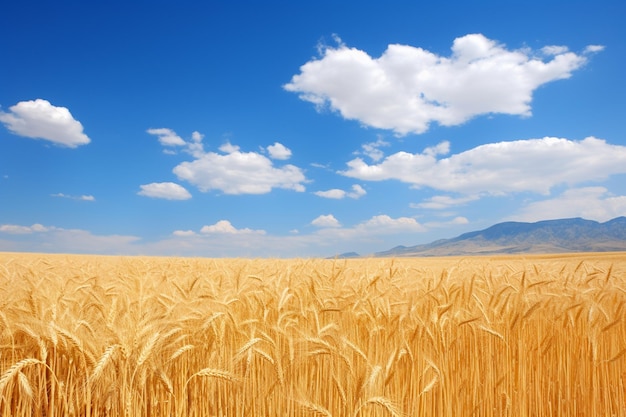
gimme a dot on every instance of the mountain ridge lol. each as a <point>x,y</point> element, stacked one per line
<point>545,236</point>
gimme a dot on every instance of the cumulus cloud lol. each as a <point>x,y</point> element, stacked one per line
<point>197,136</point>
<point>195,148</point>
<point>225,227</point>
<point>372,149</point>
<point>376,233</point>
<point>232,171</point>
<point>38,119</point>
<point>326,220</point>
<point>165,190</point>
<point>593,203</point>
<point>379,225</point>
<point>408,88</point>
<point>279,151</point>
<point>535,165</point>
<point>239,172</point>
<point>337,194</point>
<point>229,148</point>
<point>386,224</point>
<point>222,239</point>
<point>442,148</point>
<point>357,192</point>
<point>167,137</point>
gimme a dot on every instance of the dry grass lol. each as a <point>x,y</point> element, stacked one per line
<point>502,336</point>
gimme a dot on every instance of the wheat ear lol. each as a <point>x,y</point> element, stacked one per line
<point>16,369</point>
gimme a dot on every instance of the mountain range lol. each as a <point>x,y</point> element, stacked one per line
<point>548,236</point>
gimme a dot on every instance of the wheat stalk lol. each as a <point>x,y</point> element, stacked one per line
<point>405,343</point>
<point>16,369</point>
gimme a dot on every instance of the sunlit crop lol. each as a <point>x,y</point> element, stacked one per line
<point>138,336</point>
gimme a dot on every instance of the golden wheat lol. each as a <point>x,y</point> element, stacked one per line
<point>503,336</point>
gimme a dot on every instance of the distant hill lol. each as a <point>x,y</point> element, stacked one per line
<point>346,255</point>
<point>549,236</point>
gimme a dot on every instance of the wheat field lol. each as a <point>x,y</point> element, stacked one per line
<point>480,336</point>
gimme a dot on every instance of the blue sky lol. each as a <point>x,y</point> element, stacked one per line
<point>303,129</point>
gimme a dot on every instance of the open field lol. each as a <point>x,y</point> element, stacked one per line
<point>138,336</point>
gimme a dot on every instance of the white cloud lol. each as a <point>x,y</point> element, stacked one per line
<point>239,173</point>
<point>197,136</point>
<point>222,226</point>
<point>38,119</point>
<point>593,203</point>
<point>167,137</point>
<point>534,165</point>
<point>337,194</point>
<point>52,239</point>
<point>232,172</point>
<point>407,88</point>
<point>321,166</point>
<point>15,229</point>
<point>74,197</point>
<point>442,148</point>
<point>220,239</point>
<point>440,202</point>
<point>184,233</point>
<point>326,220</point>
<point>329,233</point>
<point>357,192</point>
<point>456,221</point>
<point>594,48</point>
<point>165,190</point>
<point>386,224</point>
<point>225,227</point>
<point>372,149</point>
<point>554,50</point>
<point>195,148</point>
<point>83,241</point>
<point>376,226</point>
<point>229,148</point>
<point>279,151</point>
